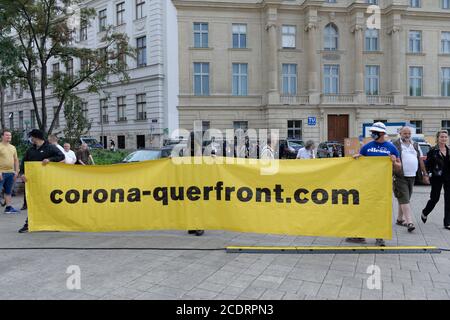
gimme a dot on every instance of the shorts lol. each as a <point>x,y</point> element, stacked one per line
<point>403,189</point>
<point>7,182</point>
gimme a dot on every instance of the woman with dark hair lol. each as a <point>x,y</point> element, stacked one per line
<point>438,165</point>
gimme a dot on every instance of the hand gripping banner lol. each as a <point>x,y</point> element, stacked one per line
<point>323,197</point>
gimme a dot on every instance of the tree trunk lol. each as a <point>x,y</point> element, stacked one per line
<point>2,107</point>
<point>44,98</point>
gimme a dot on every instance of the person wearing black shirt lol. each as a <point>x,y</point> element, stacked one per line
<point>41,150</point>
<point>438,165</point>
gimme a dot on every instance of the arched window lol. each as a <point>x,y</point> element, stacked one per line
<point>331,37</point>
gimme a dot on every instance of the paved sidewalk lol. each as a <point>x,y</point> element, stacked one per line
<point>178,274</point>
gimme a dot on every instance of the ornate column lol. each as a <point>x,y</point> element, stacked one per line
<point>313,63</point>
<point>273,94</point>
<point>358,31</point>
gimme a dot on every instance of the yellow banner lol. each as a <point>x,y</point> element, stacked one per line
<point>323,197</point>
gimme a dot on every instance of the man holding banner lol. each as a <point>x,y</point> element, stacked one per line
<point>43,151</point>
<point>379,147</point>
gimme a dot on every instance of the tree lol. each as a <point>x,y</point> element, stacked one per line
<point>42,32</point>
<point>76,124</point>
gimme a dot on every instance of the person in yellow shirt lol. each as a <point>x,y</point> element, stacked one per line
<point>9,168</point>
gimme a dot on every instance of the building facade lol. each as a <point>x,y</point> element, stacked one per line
<point>314,69</point>
<point>137,114</point>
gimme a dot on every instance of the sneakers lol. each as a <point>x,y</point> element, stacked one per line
<point>380,242</point>
<point>24,229</point>
<point>411,227</point>
<point>11,210</point>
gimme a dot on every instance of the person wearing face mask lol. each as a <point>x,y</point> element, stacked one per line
<point>379,147</point>
<point>412,165</point>
<point>438,164</point>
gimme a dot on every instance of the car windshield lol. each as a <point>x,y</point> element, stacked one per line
<point>90,141</point>
<point>143,155</point>
<point>295,144</point>
<point>425,148</point>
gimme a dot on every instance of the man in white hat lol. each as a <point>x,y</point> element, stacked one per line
<point>379,147</point>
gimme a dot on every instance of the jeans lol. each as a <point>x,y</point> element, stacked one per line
<point>435,194</point>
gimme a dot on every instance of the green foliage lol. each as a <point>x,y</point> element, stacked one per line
<point>18,142</point>
<point>36,33</point>
<point>76,124</point>
<point>102,157</point>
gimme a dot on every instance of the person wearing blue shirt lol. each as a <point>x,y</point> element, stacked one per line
<point>379,147</point>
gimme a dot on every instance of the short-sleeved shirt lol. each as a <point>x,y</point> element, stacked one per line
<point>303,153</point>
<point>7,155</point>
<point>375,149</point>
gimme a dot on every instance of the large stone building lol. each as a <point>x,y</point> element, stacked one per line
<point>313,68</point>
<point>138,114</point>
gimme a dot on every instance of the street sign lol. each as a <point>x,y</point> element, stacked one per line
<point>312,121</point>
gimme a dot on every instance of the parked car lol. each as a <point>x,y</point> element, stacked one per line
<point>289,148</point>
<point>330,149</point>
<point>150,154</point>
<point>91,142</point>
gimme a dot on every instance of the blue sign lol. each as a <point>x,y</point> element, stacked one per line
<point>312,121</point>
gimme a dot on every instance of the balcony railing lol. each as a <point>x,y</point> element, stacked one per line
<point>380,100</point>
<point>338,99</point>
<point>294,100</point>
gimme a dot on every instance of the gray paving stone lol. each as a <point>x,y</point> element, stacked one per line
<point>271,294</point>
<point>202,294</point>
<point>309,288</point>
<point>350,293</point>
<point>329,291</point>
<point>252,292</point>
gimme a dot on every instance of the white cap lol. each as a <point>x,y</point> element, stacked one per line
<point>378,127</point>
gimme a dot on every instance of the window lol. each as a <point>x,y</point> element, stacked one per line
<point>239,36</point>
<point>33,78</point>
<point>371,41</point>
<point>331,79</point>
<point>445,42</point>
<point>200,35</point>
<point>140,12</point>
<point>11,120</point>
<point>83,30</point>
<point>102,20</point>
<point>140,141</point>
<point>372,2</point>
<point>445,125</point>
<point>445,82</point>
<point>331,37</point>
<point>294,130</point>
<point>55,109</point>
<point>415,3</point>
<point>32,119</point>
<point>330,1</point>
<point>55,70</point>
<point>240,79</point>
<point>104,111</point>
<point>372,81</point>
<point>415,41</point>
<point>103,54</point>
<point>121,106</point>
<point>84,110</point>
<point>243,125</point>
<point>120,11</point>
<point>206,125</point>
<point>415,81</point>
<point>141,107</point>
<point>289,79</point>
<point>121,58</point>
<point>20,91</point>
<point>445,4</point>
<point>141,44</point>
<point>418,125</point>
<point>84,63</point>
<point>69,68</point>
<point>201,79</point>
<point>121,142</point>
<point>288,37</point>
<point>20,120</point>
